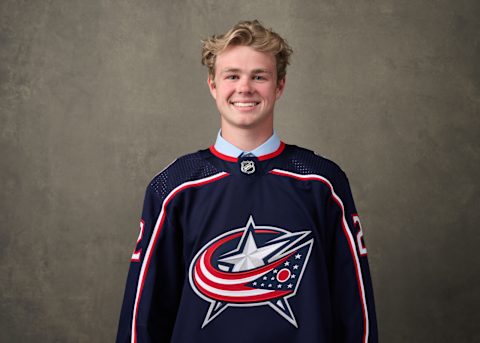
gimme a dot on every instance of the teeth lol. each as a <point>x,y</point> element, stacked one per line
<point>244,104</point>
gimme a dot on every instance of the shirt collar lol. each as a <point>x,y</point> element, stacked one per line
<point>226,148</point>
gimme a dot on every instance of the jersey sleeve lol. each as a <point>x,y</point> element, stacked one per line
<point>154,280</point>
<point>351,286</point>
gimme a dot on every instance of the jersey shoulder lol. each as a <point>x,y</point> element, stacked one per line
<point>304,161</point>
<point>189,167</point>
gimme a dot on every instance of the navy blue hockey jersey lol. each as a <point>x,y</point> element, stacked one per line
<point>249,249</point>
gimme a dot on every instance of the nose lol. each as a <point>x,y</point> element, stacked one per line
<point>245,85</point>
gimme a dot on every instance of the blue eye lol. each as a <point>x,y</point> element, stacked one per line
<point>258,78</point>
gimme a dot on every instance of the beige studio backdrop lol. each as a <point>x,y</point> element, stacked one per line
<point>97,96</point>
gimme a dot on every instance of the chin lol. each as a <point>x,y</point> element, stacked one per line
<point>249,124</point>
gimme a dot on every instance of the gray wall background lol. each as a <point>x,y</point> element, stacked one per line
<point>96,97</point>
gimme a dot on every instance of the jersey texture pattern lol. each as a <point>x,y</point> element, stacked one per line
<point>249,249</point>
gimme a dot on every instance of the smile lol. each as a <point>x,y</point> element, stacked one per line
<point>245,104</point>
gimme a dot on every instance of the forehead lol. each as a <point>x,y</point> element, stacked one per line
<point>245,58</point>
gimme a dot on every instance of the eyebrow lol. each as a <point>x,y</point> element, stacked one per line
<point>261,71</point>
<point>254,71</point>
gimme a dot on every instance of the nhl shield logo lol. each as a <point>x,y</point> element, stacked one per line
<point>247,167</point>
<point>251,266</point>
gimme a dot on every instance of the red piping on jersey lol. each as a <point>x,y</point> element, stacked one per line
<point>358,272</point>
<point>273,154</point>
<point>156,234</point>
<point>222,156</point>
<point>260,158</point>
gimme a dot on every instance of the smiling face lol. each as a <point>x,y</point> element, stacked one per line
<point>245,89</point>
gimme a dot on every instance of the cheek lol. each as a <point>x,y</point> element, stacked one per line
<point>269,93</point>
<point>225,92</point>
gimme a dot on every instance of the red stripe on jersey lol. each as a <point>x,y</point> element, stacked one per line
<point>273,154</point>
<point>156,234</point>
<point>347,233</point>
<point>222,156</point>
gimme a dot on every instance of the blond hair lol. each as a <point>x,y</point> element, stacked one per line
<point>252,34</point>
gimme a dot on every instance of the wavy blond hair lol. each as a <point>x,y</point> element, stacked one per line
<point>252,34</point>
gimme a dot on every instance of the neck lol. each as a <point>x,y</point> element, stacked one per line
<point>246,139</point>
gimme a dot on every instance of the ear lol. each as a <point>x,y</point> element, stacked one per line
<point>212,87</point>
<point>280,88</point>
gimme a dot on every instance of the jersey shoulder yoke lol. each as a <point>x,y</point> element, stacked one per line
<point>185,168</point>
<point>304,161</point>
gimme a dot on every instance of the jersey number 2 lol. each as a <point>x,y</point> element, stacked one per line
<point>137,252</point>
<point>360,241</point>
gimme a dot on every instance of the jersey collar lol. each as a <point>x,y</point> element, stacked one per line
<point>227,151</point>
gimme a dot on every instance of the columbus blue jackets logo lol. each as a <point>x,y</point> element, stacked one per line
<point>251,266</point>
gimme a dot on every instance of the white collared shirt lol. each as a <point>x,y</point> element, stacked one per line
<point>225,147</point>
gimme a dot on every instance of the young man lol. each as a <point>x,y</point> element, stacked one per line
<point>251,240</point>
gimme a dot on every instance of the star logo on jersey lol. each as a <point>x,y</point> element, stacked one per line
<point>251,266</point>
